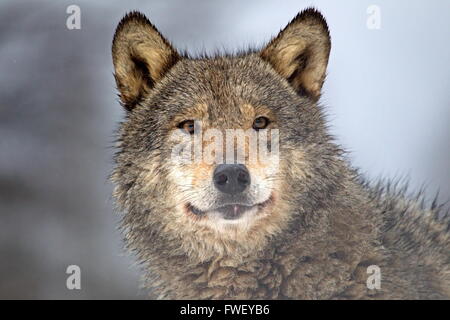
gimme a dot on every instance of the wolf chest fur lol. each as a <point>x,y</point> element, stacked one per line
<point>302,226</point>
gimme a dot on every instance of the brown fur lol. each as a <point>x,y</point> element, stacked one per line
<point>322,225</point>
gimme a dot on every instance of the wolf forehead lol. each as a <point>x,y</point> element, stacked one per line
<point>224,88</point>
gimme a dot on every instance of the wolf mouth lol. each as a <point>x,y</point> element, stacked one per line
<point>230,211</point>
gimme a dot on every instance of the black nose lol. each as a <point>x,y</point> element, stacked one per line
<point>231,178</point>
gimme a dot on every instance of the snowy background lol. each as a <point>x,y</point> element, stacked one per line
<point>387,96</point>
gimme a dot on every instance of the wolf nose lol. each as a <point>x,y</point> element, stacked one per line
<point>231,178</point>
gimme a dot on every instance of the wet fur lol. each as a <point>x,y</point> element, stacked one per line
<point>325,225</point>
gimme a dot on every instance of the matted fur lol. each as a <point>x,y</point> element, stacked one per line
<point>323,225</point>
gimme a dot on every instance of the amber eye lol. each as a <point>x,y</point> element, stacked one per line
<point>187,125</point>
<point>260,123</point>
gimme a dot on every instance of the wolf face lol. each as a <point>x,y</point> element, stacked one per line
<point>220,193</point>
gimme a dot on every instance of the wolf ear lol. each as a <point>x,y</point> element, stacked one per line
<point>141,57</point>
<point>300,52</point>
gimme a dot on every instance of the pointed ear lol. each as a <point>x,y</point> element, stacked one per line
<point>300,52</point>
<point>141,57</point>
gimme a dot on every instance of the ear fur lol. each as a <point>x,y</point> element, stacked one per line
<point>300,52</point>
<point>141,57</point>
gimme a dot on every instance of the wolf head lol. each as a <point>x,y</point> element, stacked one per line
<point>185,182</point>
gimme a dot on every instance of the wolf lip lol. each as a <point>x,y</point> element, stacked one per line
<point>195,210</point>
<point>233,211</point>
<point>230,211</point>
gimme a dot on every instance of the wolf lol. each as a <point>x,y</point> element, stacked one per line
<point>304,226</point>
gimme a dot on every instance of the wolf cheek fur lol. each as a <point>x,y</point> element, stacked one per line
<point>321,226</point>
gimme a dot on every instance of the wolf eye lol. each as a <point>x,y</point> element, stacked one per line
<point>187,125</point>
<point>260,123</point>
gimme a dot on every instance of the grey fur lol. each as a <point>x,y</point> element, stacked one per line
<point>327,225</point>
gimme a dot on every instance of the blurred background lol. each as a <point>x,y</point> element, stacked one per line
<point>387,96</point>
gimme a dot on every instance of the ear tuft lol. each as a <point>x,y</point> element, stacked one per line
<point>300,52</point>
<point>141,57</point>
